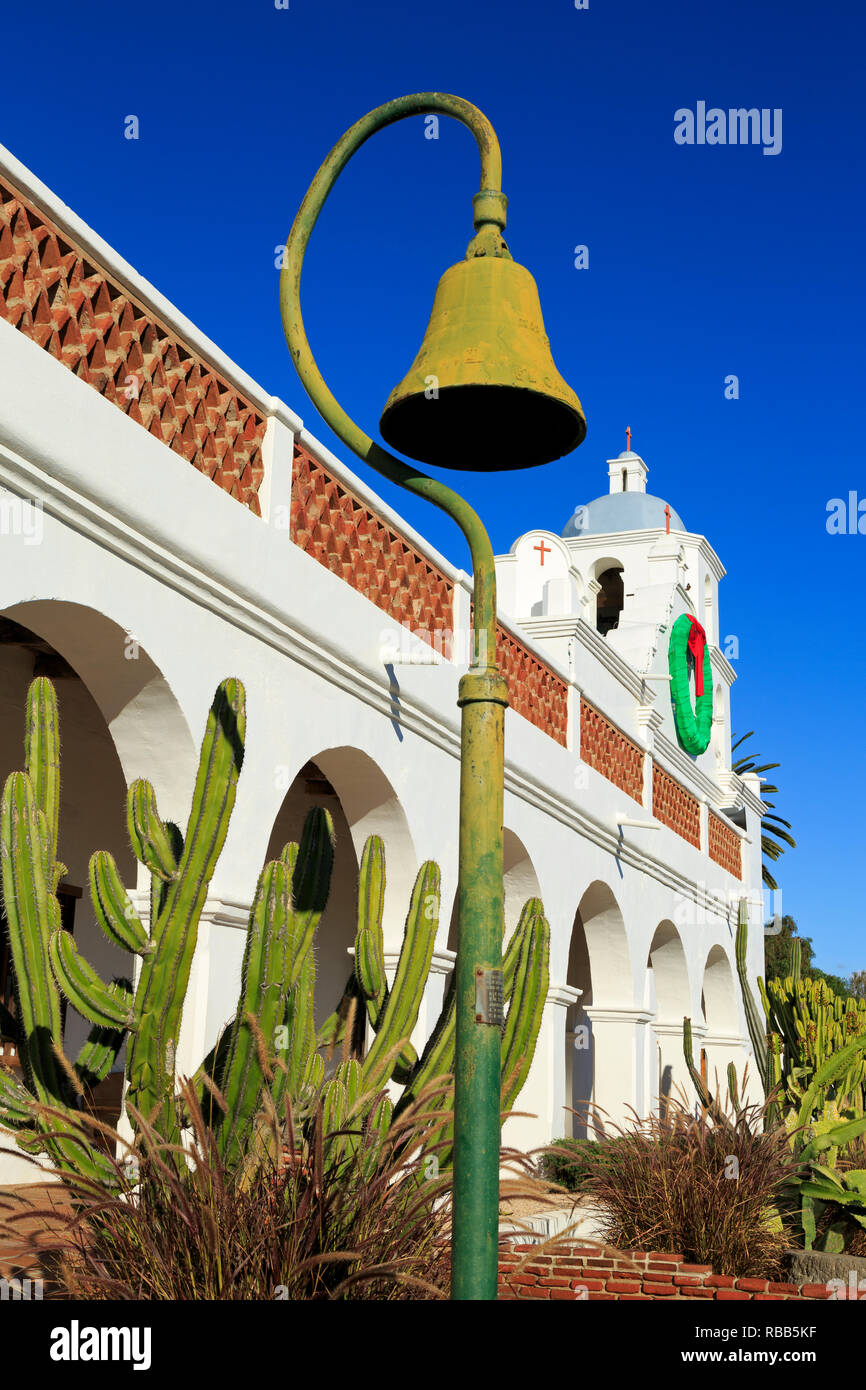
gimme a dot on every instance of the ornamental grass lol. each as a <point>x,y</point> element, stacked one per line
<point>293,1224</point>
<point>701,1185</point>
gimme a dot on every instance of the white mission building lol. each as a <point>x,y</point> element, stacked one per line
<point>167,523</point>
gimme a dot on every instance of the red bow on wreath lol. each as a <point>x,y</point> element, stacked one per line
<point>696,643</point>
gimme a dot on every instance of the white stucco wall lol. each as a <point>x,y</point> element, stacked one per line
<point>135,543</point>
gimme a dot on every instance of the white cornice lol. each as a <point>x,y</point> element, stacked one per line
<point>564,625</point>
<point>643,538</point>
<point>564,994</point>
<point>618,667</point>
<point>720,664</point>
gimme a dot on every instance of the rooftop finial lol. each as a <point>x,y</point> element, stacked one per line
<point>628,438</point>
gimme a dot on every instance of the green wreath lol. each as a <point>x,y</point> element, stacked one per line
<point>693,726</point>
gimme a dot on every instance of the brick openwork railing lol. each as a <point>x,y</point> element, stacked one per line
<point>534,691</point>
<point>78,313</point>
<point>675,807</point>
<point>608,750</point>
<point>724,846</point>
<point>346,536</point>
<point>575,1272</point>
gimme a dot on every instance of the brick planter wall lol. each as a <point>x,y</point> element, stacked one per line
<point>578,1272</point>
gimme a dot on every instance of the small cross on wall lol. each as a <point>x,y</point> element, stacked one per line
<point>544,549</point>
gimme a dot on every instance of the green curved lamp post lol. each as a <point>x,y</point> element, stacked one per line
<point>484,377</point>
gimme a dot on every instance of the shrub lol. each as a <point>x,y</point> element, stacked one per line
<point>291,1225</point>
<point>567,1160</point>
<point>701,1186</point>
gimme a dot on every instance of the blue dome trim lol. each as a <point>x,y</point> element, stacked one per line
<point>620,511</point>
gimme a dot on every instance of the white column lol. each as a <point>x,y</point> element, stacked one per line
<point>214,980</point>
<point>561,1067</point>
<point>670,1075</point>
<point>619,1053</point>
<point>278,452</point>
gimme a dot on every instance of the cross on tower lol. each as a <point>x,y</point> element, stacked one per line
<point>545,550</point>
<point>667,518</point>
<point>628,438</point>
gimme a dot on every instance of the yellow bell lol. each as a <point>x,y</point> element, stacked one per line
<point>483,393</point>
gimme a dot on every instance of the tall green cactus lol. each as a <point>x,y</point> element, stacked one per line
<point>271,1045</point>
<point>291,896</point>
<point>181,872</point>
<point>43,1111</point>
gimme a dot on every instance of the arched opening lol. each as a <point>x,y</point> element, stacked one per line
<point>721,1026</point>
<point>667,998</point>
<point>579,1052</point>
<point>361,802</point>
<point>708,609</point>
<point>118,720</point>
<point>719,999</point>
<point>610,600</point>
<point>599,965</point>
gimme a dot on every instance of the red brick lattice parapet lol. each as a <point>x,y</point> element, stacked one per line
<point>571,1271</point>
<point>534,691</point>
<point>53,293</point>
<point>675,807</point>
<point>724,846</point>
<point>604,747</point>
<point>346,536</point>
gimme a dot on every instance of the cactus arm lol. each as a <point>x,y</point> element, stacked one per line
<point>30,916</point>
<point>734,1089</point>
<point>369,945</point>
<point>149,837</point>
<point>757,1029</point>
<point>113,906</point>
<point>106,1005</point>
<point>704,1095</point>
<point>98,1054</point>
<point>796,958</point>
<point>310,865</point>
<point>263,1000</point>
<point>528,998</point>
<point>301,1057</point>
<point>165,974</point>
<point>404,999</point>
<point>42,762</point>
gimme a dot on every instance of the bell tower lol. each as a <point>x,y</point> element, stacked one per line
<point>627,472</point>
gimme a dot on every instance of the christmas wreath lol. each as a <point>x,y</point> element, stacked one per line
<point>693,725</point>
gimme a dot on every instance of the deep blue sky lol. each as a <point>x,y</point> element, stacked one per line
<point>704,261</point>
